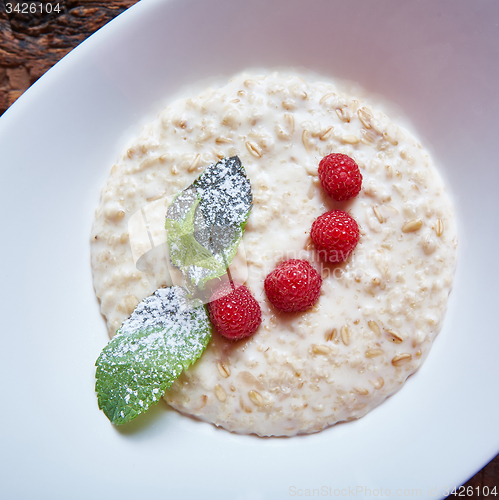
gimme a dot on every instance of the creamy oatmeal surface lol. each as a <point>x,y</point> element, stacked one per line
<point>378,313</point>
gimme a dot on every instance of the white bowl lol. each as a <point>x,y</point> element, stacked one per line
<point>437,61</point>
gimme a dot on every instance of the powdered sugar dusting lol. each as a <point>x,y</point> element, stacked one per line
<point>225,201</point>
<point>175,324</point>
<point>225,192</point>
<point>164,335</point>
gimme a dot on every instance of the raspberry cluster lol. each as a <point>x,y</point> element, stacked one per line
<point>294,285</point>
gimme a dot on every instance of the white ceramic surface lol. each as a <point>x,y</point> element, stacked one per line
<point>436,60</point>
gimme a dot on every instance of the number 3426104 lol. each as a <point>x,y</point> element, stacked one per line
<point>33,8</point>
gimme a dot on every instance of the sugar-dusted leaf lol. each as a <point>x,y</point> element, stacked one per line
<point>206,221</point>
<point>164,335</point>
<point>185,250</point>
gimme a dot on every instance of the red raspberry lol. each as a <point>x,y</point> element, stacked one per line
<point>236,315</point>
<point>293,286</point>
<point>340,176</point>
<point>335,234</point>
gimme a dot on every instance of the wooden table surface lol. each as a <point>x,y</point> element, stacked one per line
<point>30,44</point>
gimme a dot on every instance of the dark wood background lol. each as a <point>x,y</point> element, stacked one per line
<point>30,44</point>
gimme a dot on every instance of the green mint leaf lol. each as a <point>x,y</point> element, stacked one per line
<point>164,336</point>
<point>206,221</point>
<point>185,250</point>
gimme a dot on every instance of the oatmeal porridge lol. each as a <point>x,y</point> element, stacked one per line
<point>379,312</point>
